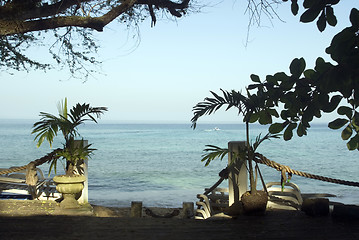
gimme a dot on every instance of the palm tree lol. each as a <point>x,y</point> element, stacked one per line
<point>67,122</point>
<point>252,109</point>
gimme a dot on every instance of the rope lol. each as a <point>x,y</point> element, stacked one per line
<point>259,158</point>
<point>32,164</point>
<point>31,178</point>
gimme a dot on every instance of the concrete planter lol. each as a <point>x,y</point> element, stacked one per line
<point>69,186</point>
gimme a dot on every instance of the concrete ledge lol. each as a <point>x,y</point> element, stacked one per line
<point>17,208</point>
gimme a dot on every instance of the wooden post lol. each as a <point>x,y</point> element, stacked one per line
<point>188,209</point>
<point>238,174</point>
<point>136,209</point>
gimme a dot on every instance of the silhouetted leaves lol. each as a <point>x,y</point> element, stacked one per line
<point>301,130</point>
<point>294,7</point>
<point>310,15</point>
<point>305,94</point>
<point>347,133</point>
<point>255,78</point>
<point>331,18</point>
<point>288,133</point>
<point>338,123</point>
<point>276,128</point>
<point>333,104</point>
<point>297,67</point>
<point>353,144</point>
<point>344,110</point>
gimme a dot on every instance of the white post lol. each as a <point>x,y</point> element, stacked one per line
<point>238,174</point>
<point>84,195</point>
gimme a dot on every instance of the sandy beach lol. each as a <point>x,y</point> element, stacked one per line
<point>116,223</point>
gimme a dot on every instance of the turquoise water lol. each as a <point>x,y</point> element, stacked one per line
<point>159,164</point>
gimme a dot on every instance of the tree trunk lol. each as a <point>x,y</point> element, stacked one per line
<point>250,158</point>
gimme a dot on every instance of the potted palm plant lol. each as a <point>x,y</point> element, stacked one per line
<point>251,108</point>
<point>74,152</point>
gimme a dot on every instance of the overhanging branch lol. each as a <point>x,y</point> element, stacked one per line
<point>44,17</point>
<point>96,23</point>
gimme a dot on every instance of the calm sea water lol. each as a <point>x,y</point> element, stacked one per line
<point>159,164</point>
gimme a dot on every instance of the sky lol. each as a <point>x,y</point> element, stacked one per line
<point>158,76</point>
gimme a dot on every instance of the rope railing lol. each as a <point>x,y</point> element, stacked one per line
<point>259,158</point>
<point>31,177</point>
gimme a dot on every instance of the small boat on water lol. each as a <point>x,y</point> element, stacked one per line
<point>213,129</point>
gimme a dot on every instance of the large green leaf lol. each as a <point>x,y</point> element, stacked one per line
<point>309,73</point>
<point>320,65</point>
<point>333,104</point>
<point>255,78</point>
<point>331,19</point>
<point>301,130</point>
<point>347,133</point>
<point>347,111</point>
<point>273,112</point>
<point>254,117</point>
<point>288,133</point>
<point>297,66</point>
<point>310,14</point>
<point>276,128</point>
<point>353,144</point>
<point>265,117</point>
<point>294,7</point>
<point>338,123</point>
<point>308,3</point>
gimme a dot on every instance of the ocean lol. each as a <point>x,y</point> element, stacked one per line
<point>159,164</point>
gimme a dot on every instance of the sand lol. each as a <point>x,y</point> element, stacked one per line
<point>115,223</point>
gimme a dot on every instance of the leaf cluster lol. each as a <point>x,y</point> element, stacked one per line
<point>67,122</point>
<point>252,106</point>
<point>212,152</point>
<point>322,10</point>
<point>12,55</point>
<point>49,125</point>
<point>25,23</point>
<point>74,153</point>
<point>307,93</point>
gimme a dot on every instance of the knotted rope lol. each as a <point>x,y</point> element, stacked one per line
<point>259,158</point>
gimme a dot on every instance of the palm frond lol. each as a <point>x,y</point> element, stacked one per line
<point>62,108</point>
<point>80,111</point>
<point>46,128</point>
<point>260,139</point>
<point>212,104</point>
<point>212,153</point>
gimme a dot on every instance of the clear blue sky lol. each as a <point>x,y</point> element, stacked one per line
<point>174,66</point>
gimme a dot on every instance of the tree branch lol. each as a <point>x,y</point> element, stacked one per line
<point>20,12</point>
<point>24,24</point>
<point>97,23</point>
